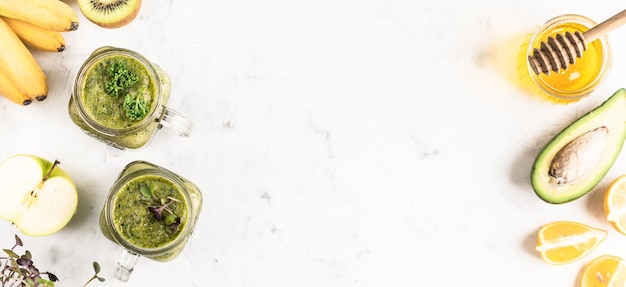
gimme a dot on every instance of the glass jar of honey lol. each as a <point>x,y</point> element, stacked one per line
<point>578,80</point>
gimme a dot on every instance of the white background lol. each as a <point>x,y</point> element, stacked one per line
<point>336,143</point>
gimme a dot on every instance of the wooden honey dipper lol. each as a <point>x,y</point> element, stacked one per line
<point>557,52</point>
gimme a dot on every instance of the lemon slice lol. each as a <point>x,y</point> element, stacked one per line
<point>563,242</point>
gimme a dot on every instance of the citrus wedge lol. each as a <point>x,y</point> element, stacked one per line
<point>615,204</point>
<point>606,270</point>
<point>566,241</point>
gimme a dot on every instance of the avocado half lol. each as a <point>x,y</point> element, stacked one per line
<point>609,116</point>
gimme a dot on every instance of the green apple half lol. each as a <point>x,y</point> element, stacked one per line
<point>36,195</point>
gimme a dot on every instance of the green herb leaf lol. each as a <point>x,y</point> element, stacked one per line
<point>45,283</point>
<point>136,107</point>
<point>145,191</point>
<point>120,79</point>
<point>18,241</point>
<point>169,219</point>
<point>20,271</point>
<point>11,253</point>
<point>96,267</point>
<point>172,228</point>
<point>52,277</point>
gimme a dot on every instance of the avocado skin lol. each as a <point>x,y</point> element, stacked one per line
<point>611,113</point>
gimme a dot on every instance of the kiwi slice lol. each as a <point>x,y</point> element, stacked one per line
<point>110,13</point>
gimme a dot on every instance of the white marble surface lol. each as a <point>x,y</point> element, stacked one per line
<point>336,142</point>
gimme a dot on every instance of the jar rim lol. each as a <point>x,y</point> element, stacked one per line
<point>589,87</point>
<point>160,172</point>
<point>103,53</point>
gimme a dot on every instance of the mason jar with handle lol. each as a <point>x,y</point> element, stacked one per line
<point>150,212</point>
<point>120,98</point>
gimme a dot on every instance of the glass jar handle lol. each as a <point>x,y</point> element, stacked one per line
<point>176,122</point>
<point>125,265</point>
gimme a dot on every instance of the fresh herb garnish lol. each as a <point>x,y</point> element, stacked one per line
<point>147,190</point>
<point>20,270</point>
<point>160,206</point>
<point>96,269</point>
<point>135,106</point>
<point>120,79</point>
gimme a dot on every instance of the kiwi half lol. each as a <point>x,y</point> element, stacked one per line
<point>110,13</point>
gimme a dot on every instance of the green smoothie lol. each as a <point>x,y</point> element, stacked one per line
<point>135,209</point>
<point>120,98</point>
<point>150,211</point>
<point>106,88</point>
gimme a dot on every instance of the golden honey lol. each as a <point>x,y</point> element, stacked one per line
<point>578,80</point>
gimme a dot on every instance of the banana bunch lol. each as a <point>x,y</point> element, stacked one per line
<point>25,25</point>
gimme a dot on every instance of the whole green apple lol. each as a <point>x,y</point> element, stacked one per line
<point>36,195</point>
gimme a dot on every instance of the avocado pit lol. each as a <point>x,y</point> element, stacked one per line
<point>576,159</point>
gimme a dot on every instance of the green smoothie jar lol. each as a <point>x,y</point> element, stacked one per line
<point>151,212</point>
<point>120,98</point>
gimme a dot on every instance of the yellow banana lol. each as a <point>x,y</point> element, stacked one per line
<point>10,91</point>
<point>20,66</point>
<point>37,37</point>
<point>51,14</point>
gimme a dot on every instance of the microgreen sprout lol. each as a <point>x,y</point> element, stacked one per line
<point>96,269</point>
<point>20,271</point>
<point>173,227</point>
<point>147,190</point>
<point>170,219</point>
<point>158,211</point>
<point>159,207</point>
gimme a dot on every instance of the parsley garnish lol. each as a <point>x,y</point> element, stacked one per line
<point>119,82</point>
<point>135,107</point>
<point>120,79</point>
